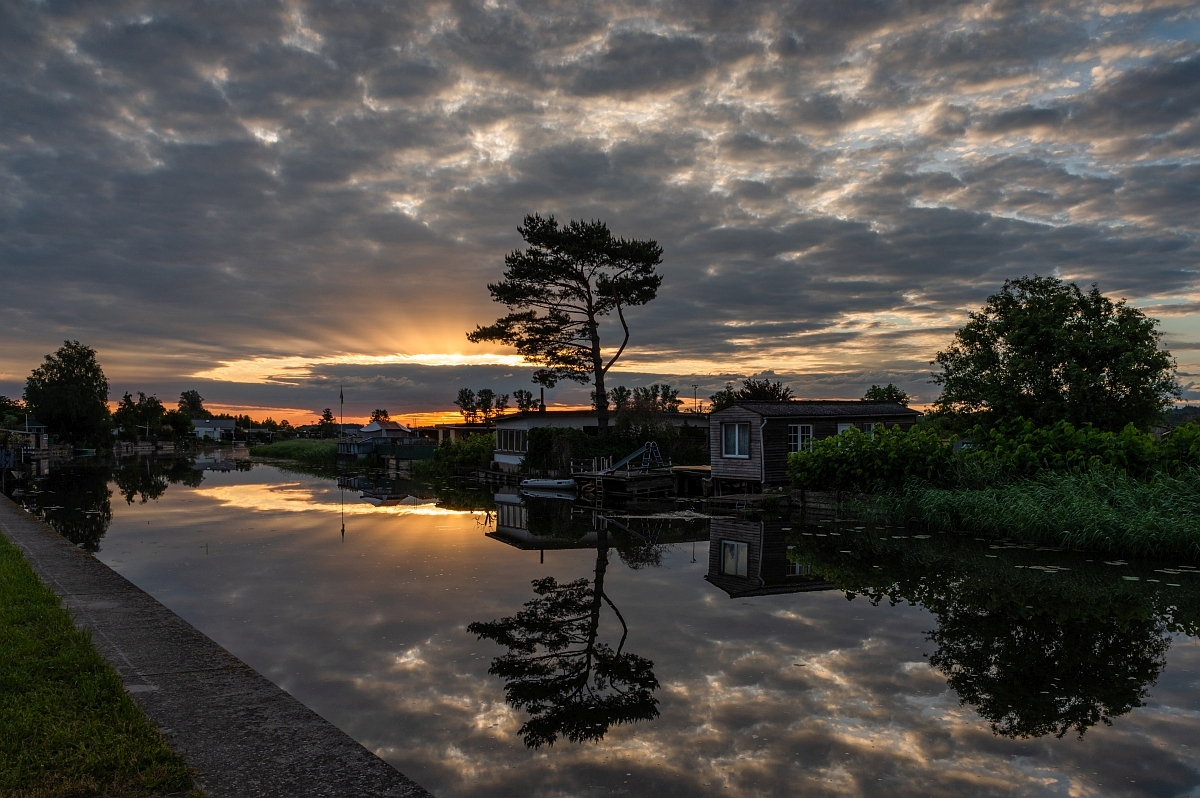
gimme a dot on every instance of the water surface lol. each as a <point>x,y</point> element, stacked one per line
<point>824,662</point>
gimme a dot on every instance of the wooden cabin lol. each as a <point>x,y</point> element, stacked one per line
<point>753,558</point>
<point>749,442</point>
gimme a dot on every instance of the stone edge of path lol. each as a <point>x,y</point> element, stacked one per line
<point>243,734</point>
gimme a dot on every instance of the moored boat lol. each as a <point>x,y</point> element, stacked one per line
<point>548,484</point>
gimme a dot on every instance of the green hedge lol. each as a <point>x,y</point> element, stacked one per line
<point>891,459</point>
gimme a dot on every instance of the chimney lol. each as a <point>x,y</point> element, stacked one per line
<point>542,401</point>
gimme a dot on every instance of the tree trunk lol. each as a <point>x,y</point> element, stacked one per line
<point>598,374</point>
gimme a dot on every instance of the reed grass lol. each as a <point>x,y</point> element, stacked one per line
<point>312,452</point>
<point>1101,510</point>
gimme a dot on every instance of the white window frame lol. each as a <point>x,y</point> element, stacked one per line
<point>800,438</point>
<point>741,558</point>
<point>796,568</point>
<point>844,428</point>
<point>738,440</point>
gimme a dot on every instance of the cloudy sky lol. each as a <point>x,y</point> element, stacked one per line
<point>264,200</point>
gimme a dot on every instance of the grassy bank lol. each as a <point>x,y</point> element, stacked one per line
<point>1100,511</point>
<point>312,452</point>
<point>67,727</point>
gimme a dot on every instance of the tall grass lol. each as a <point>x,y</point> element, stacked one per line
<point>312,452</point>
<point>1099,510</point>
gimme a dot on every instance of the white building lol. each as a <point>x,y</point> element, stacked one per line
<point>216,429</point>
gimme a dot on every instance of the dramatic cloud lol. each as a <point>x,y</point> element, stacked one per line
<point>265,200</point>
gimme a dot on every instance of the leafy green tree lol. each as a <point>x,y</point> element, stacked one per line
<point>380,414</point>
<point>752,390</point>
<point>140,419</point>
<point>723,398</point>
<point>12,413</point>
<point>620,397</point>
<point>192,403</point>
<point>485,402</point>
<point>69,394</point>
<point>327,424</point>
<point>558,291</point>
<point>526,401</point>
<point>467,404</point>
<point>889,393</point>
<point>556,668</point>
<point>1046,351</point>
<point>177,424</point>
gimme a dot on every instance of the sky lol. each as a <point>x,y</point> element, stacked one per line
<point>265,201</point>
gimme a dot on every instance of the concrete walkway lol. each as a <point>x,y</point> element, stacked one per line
<point>244,735</point>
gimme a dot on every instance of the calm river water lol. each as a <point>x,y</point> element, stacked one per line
<point>625,659</point>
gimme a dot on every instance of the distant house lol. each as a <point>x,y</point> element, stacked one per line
<point>512,432</point>
<point>749,442</point>
<point>32,434</point>
<point>454,432</point>
<point>753,558</point>
<point>215,429</point>
<point>383,429</point>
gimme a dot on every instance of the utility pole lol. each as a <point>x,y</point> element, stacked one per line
<point>695,398</point>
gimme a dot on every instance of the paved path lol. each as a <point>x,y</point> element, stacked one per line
<point>244,735</point>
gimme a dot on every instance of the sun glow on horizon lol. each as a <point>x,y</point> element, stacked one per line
<point>286,370</point>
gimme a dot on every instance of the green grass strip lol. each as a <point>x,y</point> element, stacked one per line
<point>67,727</point>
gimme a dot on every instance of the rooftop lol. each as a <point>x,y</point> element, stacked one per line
<point>827,407</point>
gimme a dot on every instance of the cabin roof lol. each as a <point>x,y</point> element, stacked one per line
<point>825,407</point>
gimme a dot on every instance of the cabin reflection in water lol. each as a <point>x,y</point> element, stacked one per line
<point>753,558</point>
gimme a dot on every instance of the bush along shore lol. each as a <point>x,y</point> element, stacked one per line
<point>67,726</point>
<point>1125,493</point>
<point>310,452</point>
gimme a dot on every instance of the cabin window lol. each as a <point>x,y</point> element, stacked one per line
<point>735,440</point>
<point>512,440</point>
<point>869,428</point>
<point>735,558</point>
<point>844,428</point>
<point>796,568</point>
<point>800,437</point>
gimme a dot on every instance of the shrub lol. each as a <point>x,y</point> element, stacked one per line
<point>454,457</point>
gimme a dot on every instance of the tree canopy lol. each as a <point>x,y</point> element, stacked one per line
<point>888,393</point>
<point>1044,350</point>
<point>752,390</point>
<point>560,288</point>
<point>192,403</point>
<point>69,394</point>
<point>140,419</point>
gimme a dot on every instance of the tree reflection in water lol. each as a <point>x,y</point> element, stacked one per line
<point>556,669</point>
<point>1034,652</point>
<point>147,478</point>
<point>1038,675</point>
<point>76,501</point>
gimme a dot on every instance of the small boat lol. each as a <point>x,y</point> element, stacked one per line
<point>548,484</point>
<point>545,493</point>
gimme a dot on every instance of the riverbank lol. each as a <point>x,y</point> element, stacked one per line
<point>67,727</point>
<point>240,733</point>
